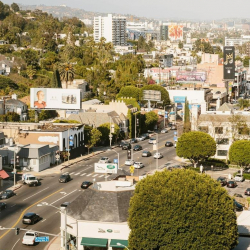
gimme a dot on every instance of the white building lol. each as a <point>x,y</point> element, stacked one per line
<point>112,28</point>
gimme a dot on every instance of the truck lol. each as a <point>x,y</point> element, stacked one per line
<point>29,238</point>
<point>30,179</point>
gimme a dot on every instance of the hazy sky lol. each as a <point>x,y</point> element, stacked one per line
<point>182,9</point>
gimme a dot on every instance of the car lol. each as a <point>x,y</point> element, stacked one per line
<point>146,154</point>
<point>217,92</point>
<point>238,195</point>
<point>222,180</point>
<point>175,144</point>
<point>64,178</point>
<point>158,155</point>
<point>140,138</point>
<point>238,206</point>
<point>29,238</point>
<point>126,146</point>
<point>2,205</point>
<point>247,192</point>
<point>173,127</point>
<point>145,135</point>
<point>239,177</point>
<point>86,184</point>
<point>163,131</point>
<point>231,184</point>
<point>133,140</point>
<point>31,218</point>
<point>104,160</point>
<point>121,143</point>
<point>65,204</point>
<point>169,144</point>
<point>137,148</point>
<point>129,162</point>
<point>152,141</point>
<point>138,165</point>
<point>7,194</point>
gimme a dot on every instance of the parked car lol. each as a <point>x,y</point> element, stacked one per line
<point>231,184</point>
<point>121,143</point>
<point>64,178</point>
<point>158,155</point>
<point>2,205</point>
<point>65,204</point>
<point>7,194</point>
<point>140,138</point>
<point>247,192</point>
<point>222,180</point>
<point>129,162</point>
<point>169,144</point>
<point>146,154</point>
<point>163,131</point>
<point>239,177</point>
<point>133,140</point>
<point>126,146</point>
<point>29,238</point>
<point>31,218</point>
<point>86,184</point>
<point>146,135</point>
<point>137,147</point>
<point>138,165</point>
<point>104,160</point>
<point>173,127</point>
<point>238,206</point>
<point>152,141</point>
<point>238,195</point>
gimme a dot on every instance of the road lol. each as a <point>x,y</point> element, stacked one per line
<point>56,193</point>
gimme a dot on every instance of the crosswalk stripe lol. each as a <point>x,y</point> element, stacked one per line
<point>77,173</point>
<point>95,175</point>
<point>83,174</point>
<point>101,176</point>
<point>72,173</point>
<point>88,174</point>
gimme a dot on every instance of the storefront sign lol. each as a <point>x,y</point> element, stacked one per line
<point>106,168</point>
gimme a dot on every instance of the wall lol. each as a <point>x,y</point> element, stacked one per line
<point>192,96</point>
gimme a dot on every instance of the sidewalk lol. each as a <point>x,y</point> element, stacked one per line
<point>54,244</point>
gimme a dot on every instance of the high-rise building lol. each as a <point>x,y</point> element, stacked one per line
<point>112,28</point>
<point>164,32</point>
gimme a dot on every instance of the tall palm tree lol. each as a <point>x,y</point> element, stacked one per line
<point>66,72</point>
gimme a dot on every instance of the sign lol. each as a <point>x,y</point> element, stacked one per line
<point>175,132</point>
<point>179,99</point>
<point>175,138</point>
<point>229,62</point>
<point>71,143</point>
<point>175,32</point>
<point>42,239</point>
<point>166,112</point>
<point>166,116</point>
<point>152,95</point>
<point>106,168</point>
<point>115,160</point>
<point>52,98</point>
<point>72,112</point>
<point>191,76</point>
<point>132,169</point>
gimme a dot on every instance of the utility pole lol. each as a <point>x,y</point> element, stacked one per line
<point>135,125</point>
<point>110,134</point>
<point>68,147</point>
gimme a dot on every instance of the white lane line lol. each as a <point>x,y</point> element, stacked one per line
<point>72,173</point>
<point>83,174</point>
<point>88,174</point>
<point>94,175</point>
<point>101,176</point>
<point>35,194</point>
<point>43,220</point>
<point>15,244</point>
<point>77,174</point>
<point>13,205</point>
<point>63,197</point>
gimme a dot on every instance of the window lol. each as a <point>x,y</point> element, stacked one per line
<point>222,152</point>
<point>243,130</point>
<point>203,129</point>
<point>218,130</point>
<point>222,141</point>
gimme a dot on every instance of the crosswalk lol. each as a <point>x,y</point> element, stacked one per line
<point>86,174</point>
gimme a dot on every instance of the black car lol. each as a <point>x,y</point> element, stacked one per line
<point>86,184</point>
<point>65,204</point>
<point>7,194</point>
<point>238,206</point>
<point>31,218</point>
<point>169,144</point>
<point>137,147</point>
<point>222,180</point>
<point>231,184</point>
<point>133,140</point>
<point>2,205</point>
<point>146,135</point>
<point>146,154</point>
<point>64,178</point>
<point>126,146</point>
<point>122,143</point>
<point>247,192</point>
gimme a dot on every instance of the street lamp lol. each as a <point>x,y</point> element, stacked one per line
<point>15,152</point>
<point>65,220</point>
<point>118,154</point>
<point>119,244</point>
<point>111,130</point>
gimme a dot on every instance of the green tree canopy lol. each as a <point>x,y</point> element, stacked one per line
<point>151,119</point>
<point>195,146</point>
<point>181,210</point>
<point>15,7</point>
<point>104,129</point>
<point>239,153</point>
<point>93,139</point>
<point>129,91</point>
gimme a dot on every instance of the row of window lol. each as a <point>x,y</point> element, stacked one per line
<point>219,130</point>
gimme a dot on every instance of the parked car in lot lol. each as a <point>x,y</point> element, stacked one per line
<point>2,205</point>
<point>138,165</point>
<point>222,180</point>
<point>133,140</point>
<point>146,154</point>
<point>7,194</point>
<point>129,162</point>
<point>86,184</point>
<point>238,206</point>
<point>152,141</point>
<point>169,144</point>
<point>64,178</point>
<point>158,155</point>
<point>104,160</point>
<point>31,218</point>
<point>239,177</point>
<point>29,238</point>
<point>137,147</point>
<point>231,184</point>
<point>247,192</point>
<point>163,131</point>
<point>126,146</point>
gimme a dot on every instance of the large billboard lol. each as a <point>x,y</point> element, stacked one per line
<point>152,95</point>
<point>191,76</point>
<point>229,63</point>
<point>106,168</point>
<point>175,32</point>
<point>49,98</point>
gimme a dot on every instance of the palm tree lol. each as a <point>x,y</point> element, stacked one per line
<point>66,72</point>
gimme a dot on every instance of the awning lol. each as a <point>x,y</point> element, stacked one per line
<point>113,243</point>
<point>3,174</point>
<point>94,242</point>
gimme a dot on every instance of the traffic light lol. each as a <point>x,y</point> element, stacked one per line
<point>137,122</point>
<point>129,154</point>
<point>17,230</point>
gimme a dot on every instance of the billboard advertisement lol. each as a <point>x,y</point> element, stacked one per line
<point>152,95</point>
<point>106,168</point>
<point>229,62</point>
<point>49,98</point>
<point>175,32</point>
<point>179,99</point>
<point>191,76</point>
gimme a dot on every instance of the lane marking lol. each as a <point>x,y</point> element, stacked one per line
<point>63,197</point>
<point>101,176</point>
<point>35,194</point>
<point>94,175</point>
<point>43,220</point>
<point>13,205</point>
<point>15,244</point>
<point>77,174</point>
<point>26,209</point>
<point>89,174</point>
<point>72,172</point>
<point>83,174</point>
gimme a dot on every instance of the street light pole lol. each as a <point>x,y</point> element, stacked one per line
<point>68,147</point>
<point>157,151</point>
<point>135,124</point>
<point>14,166</point>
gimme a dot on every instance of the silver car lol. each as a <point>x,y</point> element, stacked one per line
<point>138,165</point>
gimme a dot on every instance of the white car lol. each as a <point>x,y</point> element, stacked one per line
<point>140,138</point>
<point>164,131</point>
<point>158,156</point>
<point>138,165</point>
<point>152,141</point>
<point>29,238</point>
<point>104,160</point>
<point>129,162</point>
<point>239,177</point>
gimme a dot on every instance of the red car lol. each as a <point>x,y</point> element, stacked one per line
<point>231,184</point>
<point>247,192</point>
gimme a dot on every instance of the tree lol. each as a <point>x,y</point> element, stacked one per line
<point>180,45</point>
<point>94,138</point>
<point>15,7</point>
<point>151,119</point>
<point>30,71</point>
<point>239,126</point>
<point>105,129</point>
<point>56,81</point>
<point>10,117</point>
<point>187,123</point>
<point>195,146</point>
<point>129,91</point>
<point>239,153</point>
<point>181,210</point>
<point>30,56</point>
<point>66,72</point>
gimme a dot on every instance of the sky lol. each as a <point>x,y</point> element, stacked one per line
<point>160,9</point>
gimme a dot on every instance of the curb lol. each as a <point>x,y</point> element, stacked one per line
<point>50,243</point>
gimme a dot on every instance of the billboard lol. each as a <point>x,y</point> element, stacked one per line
<point>152,95</point>
<point>179,99</point>
<point>49,98</point>
<point>175,32</point>
<point>229,63</point>
<point>106,168</point>
<point>191,76</point>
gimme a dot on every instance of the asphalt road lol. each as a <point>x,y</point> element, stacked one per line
<point>55,193</point>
